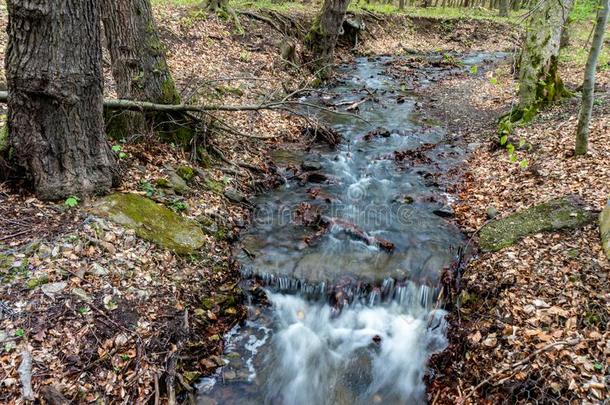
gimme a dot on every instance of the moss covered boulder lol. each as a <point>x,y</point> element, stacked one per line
<point>151,221</point>
<point>604,229</point>
<point>562,213</point>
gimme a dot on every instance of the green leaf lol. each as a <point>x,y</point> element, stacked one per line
<point>71,202</point>
<point>598,366</point>
<point>19,332</point>
<point>122,155</point>
<point>523,163</point>
<point>116,148</point>
<point>513,158</point>
<point>493,80</point>
<point>474,69</point>
<point>510,148</point>
<point>503,140</point>
<point>521,143</point>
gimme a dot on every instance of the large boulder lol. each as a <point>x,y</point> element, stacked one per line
<point>561,213</point>
<point>151,221</point>
<point>604,229</point>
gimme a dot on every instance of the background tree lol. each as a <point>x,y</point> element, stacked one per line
<point>503,8</point>
<point>588,87</point>
<point>54,78</point>
<point>539,81</point>
<point>325,30</point>
<point>139,66</point>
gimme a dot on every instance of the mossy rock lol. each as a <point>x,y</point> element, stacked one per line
<point>604,229</point>
<point>213,185</point>
<point>554,215</point>
<point>152,222</point>
<point>186,172</point>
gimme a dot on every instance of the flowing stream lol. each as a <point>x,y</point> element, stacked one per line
<point>350,316</point>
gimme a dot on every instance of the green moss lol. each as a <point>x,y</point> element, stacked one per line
<point>186,172</point>
<point>554,215</point>
<point>205,160</point>
<point>152,222</point>
<point>162,183</point>
<point>169,94</point>
<point>3,139</point>
<point>215,186</point>
<point>34,282</point>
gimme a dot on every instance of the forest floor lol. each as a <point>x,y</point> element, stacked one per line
<point>105,314</point>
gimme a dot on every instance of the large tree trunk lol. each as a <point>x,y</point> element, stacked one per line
<point>322,37</point>
<point>539,81</point>
<point>584,118</point>
<point>54,76</point>
<point>139,67</point>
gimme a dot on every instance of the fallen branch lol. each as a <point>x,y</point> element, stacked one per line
<point>25,375</point>
<point>133,105</point>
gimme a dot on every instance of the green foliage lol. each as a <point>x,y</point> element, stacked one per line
<point>71,202</point>
<point>118,149</point>
<point>148,188</point>
<point>245,56</point>
<point>19,332</point>
<point>178,206</point>
<point>474,69</point>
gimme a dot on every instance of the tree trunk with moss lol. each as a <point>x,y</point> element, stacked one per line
<point>324,33</point>
<point>539,81</point>
<point>138,59</point>
<point>55,96</point>
<point>584,118</point>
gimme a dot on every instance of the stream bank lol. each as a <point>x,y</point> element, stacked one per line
<point>125,311</point>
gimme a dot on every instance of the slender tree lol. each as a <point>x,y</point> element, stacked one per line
<point>504,8</point>
<point>139,66</point>
<point>584,118</point>
<point>54,78</point>
<point>539,81</point>
<point>322,37</point>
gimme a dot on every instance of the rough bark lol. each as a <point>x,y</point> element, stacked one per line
<point>324,33</point>
<point>584,118</point>
<point>539,82</point>
<point>503,8</point>
<point>138,59</point>
<point>54,77</point>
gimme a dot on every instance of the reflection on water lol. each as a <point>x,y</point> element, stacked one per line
<point>348,322</point>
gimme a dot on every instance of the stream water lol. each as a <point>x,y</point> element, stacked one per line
<point>348,318</point>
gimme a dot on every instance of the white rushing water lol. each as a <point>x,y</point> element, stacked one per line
<point>365,354</point>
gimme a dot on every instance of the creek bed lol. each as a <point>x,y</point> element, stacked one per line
<point>350,311</point>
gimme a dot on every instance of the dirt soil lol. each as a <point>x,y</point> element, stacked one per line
<point>108,317</point>
<point>530,322</point>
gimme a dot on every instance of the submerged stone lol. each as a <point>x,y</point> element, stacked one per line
<point>152,221</point>
<point>554,215</point>
<point>604,229</point>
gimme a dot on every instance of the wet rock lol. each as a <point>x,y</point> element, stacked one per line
<point>604,229</point>
<point>444,212</point>
<point>151,221</point>
<point>315,177</point>
<point>554,215</point>
<point>311,165</point>
<point>234,195</point>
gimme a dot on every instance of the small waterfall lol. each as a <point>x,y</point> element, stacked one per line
<point>352,317</point>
